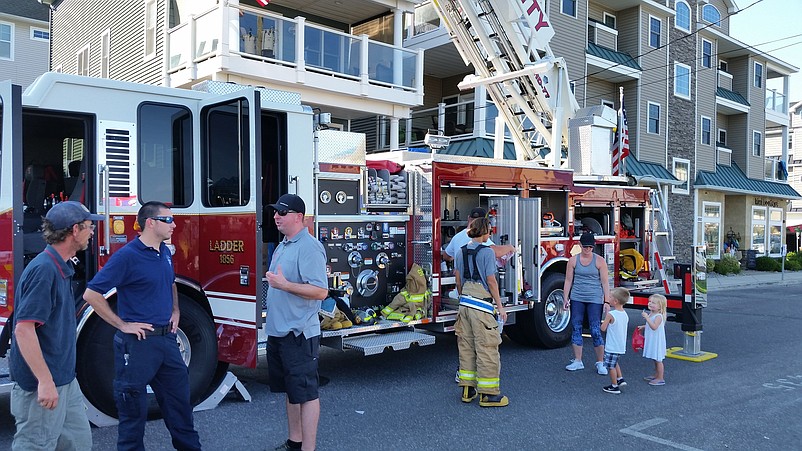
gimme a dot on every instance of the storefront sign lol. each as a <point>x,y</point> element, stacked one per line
<point>766,202</point>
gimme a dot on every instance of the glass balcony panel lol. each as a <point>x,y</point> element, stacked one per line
<point>775,101</point>
<point>426,19</point>
<point>179,38</point>
<point>207,34</point>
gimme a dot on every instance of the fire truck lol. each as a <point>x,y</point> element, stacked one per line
<point>220,153</point>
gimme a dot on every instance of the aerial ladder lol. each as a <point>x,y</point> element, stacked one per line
<point>507,42</point>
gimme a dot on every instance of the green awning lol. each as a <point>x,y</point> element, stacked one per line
<point>477,147</point>
<point>733,180</point>
<point>731,96</point>
<point>624,59</point>
<point>647,173</point>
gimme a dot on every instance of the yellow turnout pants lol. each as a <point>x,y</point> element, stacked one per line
<point>478,339</point>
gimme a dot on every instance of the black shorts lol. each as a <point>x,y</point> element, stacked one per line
<point>292,366</point>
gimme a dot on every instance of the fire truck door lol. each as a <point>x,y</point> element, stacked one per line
<point>518,225</point>
<point>11,210</point>
<point>230,247</point>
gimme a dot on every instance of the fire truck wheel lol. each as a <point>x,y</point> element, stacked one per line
<point>95,360</point>
<point>548,324</point>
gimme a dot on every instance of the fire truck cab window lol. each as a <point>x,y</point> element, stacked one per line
<point>225,154</point>
<point>165,154</point>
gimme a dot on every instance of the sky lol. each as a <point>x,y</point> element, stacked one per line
<point>770,20</point>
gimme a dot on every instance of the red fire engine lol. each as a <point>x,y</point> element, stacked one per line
<point>220,153</point>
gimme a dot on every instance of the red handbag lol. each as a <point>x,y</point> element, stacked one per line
<point>637,340</point>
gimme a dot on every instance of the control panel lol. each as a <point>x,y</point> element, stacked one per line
<point>368,256</point>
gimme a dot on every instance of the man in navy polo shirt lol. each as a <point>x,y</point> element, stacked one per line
<point>145,350</point>
<point>46,400</point>
<point>298,283</point>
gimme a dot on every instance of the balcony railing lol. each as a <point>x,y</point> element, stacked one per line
<point>775,101</point>
<point>423,20</point>
<point>289,42</point>
<point>774,170</point>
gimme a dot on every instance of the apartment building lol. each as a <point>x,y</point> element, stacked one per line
<point>24,40</point>
<point>696,98</point>
<point>697,105</point>
<point>345,57</point>
<point>775,137</point>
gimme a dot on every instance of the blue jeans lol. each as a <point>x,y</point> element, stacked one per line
<point>594,311</point>
<point>154,361</point>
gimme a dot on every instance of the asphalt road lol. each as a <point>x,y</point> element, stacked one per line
<point>749,398</point>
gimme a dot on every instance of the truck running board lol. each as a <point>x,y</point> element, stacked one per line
<point>376,343</point>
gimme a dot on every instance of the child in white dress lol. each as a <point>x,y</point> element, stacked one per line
<point>654,346</point>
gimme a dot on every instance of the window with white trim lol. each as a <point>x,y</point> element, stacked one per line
<point>710,14</point>
<point>655,25</point>
<point>150,29</point>
<point>706,130</point>
<point>105,47</point>
<point>682,80</point>
<point>6,41</point>
<point>757,143</point>
<point>758,75</point>
<point>569,7</point>
<point>775,232</point>
<point>758,231</point>
<point>723,66</point>
<point>40,34</point>
<point>711,227</point>
<point>683,17</point>
<point>681,168</point>
<point>82,61</point>
<point>707,53</point>
<point>653,118</point>
<point>722,137</point>
<point>609,20</point>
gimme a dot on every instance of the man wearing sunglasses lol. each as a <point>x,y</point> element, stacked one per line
<point>298,284</point>
<point>46,400</point>
<point>145,350</point>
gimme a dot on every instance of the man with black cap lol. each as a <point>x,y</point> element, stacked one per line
<point>461,239</point>
<point>298,284</point>
<point>46,400</point>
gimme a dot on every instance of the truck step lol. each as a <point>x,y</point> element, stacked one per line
<point>376,343</point>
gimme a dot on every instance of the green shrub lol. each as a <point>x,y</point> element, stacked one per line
<point>767,264</point>
<point>728,265</point>
<point>794,256</point>
<point>793,265</point>
<point>711,265</point>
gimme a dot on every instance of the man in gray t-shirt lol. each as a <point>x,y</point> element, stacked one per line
<point>298,284</point>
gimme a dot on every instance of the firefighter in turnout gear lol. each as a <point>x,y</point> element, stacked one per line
<point>477,329</point>
<point>413,301</point>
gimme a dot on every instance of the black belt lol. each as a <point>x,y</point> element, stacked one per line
<point>164,330</point>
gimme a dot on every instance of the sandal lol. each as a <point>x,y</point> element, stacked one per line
<point>657,382</point>
<point>648,378</point>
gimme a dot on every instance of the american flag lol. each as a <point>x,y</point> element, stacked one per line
<point>262,2</point>
<point>620,138</point>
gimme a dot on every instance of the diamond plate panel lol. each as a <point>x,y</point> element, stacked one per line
<point>341,147</point>
<point>422,227</point>
<point>266,94</point>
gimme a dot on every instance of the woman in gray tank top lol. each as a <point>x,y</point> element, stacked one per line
<point>586,291</point>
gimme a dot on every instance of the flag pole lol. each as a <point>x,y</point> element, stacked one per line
<point>620,131</point>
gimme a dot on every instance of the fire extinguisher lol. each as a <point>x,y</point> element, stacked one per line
<point>492,217</point>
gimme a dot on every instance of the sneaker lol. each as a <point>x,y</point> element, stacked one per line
<point>621,382</point>
<point>612,389</point>
<point>648,378</point>
<point>601,369</point>
<point>285,447</point>
<point>656,382</point>
<point>468,394</point>
<point>575,365</point>
<point>456,376</point>
<point>494,401</point>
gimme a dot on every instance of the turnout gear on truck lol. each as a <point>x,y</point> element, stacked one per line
<point>412,303</point>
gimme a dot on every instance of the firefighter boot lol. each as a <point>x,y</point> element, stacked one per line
<point>468,394</point>
<point>493,400</point>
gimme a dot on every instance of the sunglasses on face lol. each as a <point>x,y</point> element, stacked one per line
<point>164,219</point>
<point>284,212</point>
<point>587,247</point>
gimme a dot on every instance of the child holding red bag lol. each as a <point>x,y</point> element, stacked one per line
<point>654,346</point>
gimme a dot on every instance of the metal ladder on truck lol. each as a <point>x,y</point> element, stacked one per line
<point>662,239</point>
<point>507,43</point>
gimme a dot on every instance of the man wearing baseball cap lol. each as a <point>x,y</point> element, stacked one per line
<point>46,400</point>
<point>461,239</point>
<point>298,284</point>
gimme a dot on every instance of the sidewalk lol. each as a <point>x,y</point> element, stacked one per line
<point>752,278</point>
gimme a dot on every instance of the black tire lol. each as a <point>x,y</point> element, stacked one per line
<point>547,325</point>
<point>95,359</point>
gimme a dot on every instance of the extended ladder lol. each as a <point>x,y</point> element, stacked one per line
<point>507,44</point>
<point>662,236</point>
